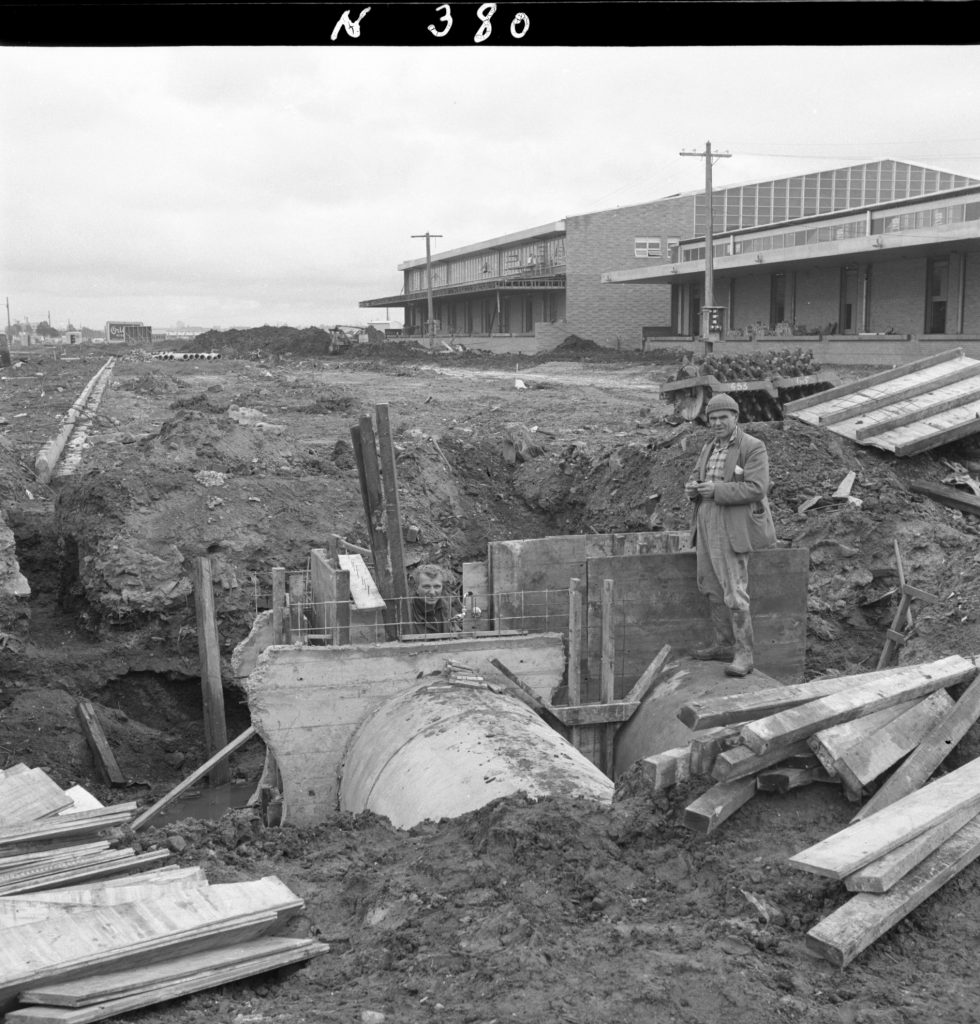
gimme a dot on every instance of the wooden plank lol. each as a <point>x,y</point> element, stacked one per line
<point>118,984</point>
<point>929,754</point>
<point>864,762</point>
<point>212,692</point>
<point>58,853</point>
<point>62,826</point>
<point>852,388</point>
<point>865,917</point>
<point>881,874</point>
<point>330,589</point>
<point>649,677</point>
<point>844,487</point>
<point>667,768</point>
<point>526,694</point>
<point>105,865</point>
<point>374,499</point>
<point>27,796</point>
<point>81,800</point>
<point>707,745</point>
<point>911,390</point>
<point>658,603</point>
<point>364,592</point>
<point>718,804</point>
<point>576,649</point>
<point>802,721</point>
<point>954,398</point>
<point>963,422</point>
<point>368,496</point>
<point>739,762</point>
<point>831,743</point>
<point>949,496</point>
<point>782,780</point>
<point>595,714</point>
<point>151,812</point>
<point>710,712</point>
<point>607,675</point>
<point>864,841</point>
<point>389,472</point>
<point>280,624</point>
<point>105,760</point>
<point>476,595</point>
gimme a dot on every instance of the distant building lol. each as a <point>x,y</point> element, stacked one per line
<point>127,332</point>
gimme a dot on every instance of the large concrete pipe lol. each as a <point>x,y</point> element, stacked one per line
<point>444,748</point>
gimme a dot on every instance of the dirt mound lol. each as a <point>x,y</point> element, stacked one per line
<point>263,341</point>
<point>573,343</point>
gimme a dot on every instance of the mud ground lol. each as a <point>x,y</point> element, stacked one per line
<point>535,913</point>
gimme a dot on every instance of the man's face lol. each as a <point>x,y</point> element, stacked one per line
<point>430,589</point>
<point>722,423</point>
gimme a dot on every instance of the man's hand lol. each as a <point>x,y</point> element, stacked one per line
<point>706,488</point>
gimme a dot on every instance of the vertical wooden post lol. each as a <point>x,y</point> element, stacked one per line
<point>575,649</point>
<point>374,501</point>
<point>297,607</point>
<point>396,552</point>
<point>279,625</point>
<point>215,729</point>
<point>608,671</point>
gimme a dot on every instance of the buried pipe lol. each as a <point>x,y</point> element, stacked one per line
<point>48,457</point>
<point>445,748</point>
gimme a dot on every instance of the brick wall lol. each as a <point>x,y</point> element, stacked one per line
<point>971,311</point>
<point>898,295</point>
<point>597,242</point>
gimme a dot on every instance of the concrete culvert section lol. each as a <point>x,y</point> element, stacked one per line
<point>444,748</point>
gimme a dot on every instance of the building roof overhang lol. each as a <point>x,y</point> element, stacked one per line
<point>500,242</point>
<point>871,248</point>
<point>515,285</point>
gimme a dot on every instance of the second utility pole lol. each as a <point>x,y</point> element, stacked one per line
<point>709,270</point>
<point>428,282</point>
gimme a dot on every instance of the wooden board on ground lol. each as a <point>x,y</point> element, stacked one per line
<point>864,762</point>
<point>306,702</point>
<point>739,762</point>
<point>746,705</point>
<point>930,752</point>
<point>860,843</point>
<point>529,578</point>
<point>118,984</point>
<point>881,874</point>
<point>854,926</point>
<point>62,826</point>
<point>879,692</point>
<point>29,795</point>
<point>830,743</point>
<point>666,768</point>
<point>718,804</point>
<point>657,602</point>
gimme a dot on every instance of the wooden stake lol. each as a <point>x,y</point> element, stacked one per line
<point>212,692</point>
<point>99,744</point>
<point>396,552</point>
<point>608,671</point>
<point>576,592</point>
<point>279,622</point>
<point>222,755</point>
<point>373,503</point>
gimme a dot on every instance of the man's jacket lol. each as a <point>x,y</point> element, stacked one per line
<point>742,494</point>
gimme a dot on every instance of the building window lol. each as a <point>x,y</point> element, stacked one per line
<point>647,248</point>
<point>937,294</point>
<point>777,299</point>
<point>528,316</point>
<point>848,300</point>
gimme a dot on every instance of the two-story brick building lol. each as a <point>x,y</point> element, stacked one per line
<point>877,248</point>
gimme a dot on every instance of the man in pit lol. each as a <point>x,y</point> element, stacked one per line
<point>430,609</point>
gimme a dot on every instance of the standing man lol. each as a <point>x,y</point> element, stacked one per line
<point>730,487</point>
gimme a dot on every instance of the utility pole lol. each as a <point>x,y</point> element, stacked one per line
<point>431,324</point>
<point>5,344</point>
<point>709,267</point>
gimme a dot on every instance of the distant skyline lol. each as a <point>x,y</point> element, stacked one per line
<point>239,186</point>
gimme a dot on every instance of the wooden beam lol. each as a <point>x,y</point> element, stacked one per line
<point>739,762</point>
<point>881,874</point>
<point>576,649</point>
<point>709,712</point>
<point>212,692</point>
<point>105,759</point>
<point>718,804</point>
<point>607,662</point>
<point>782,780</point>
<point>62,826</point>
<point>529,697</point>
<point>947,496</point>
<point>669,767</point>
<point>911,391</point>
<point>280,624</point>
<point>240,740</point>
<point>842,390</point>
<point>929,754</point>
<point>649,677</point>
<point>706,746</point>
<point>864,762</point>
<point>831,743</point>
<point>785,727</point>
<point>393,514</point>
<point>860,843</point>
<point>920,413</point>
<point>110,863</point>
<point>851,928</point>
<point>969,426</point>
<point>596,714</point>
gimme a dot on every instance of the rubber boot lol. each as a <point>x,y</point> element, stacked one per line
<point>723,648</point>
<point>742,663</point>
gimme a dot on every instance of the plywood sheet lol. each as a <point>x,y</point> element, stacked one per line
<point>657,602</point>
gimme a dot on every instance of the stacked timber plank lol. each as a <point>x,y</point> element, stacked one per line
<point>910,837</point>
<point>76,949</point>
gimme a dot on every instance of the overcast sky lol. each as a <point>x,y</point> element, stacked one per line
<point>238,186</point>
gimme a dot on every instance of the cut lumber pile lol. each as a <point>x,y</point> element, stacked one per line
<point>885,731</point>
<point>79,950</point>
